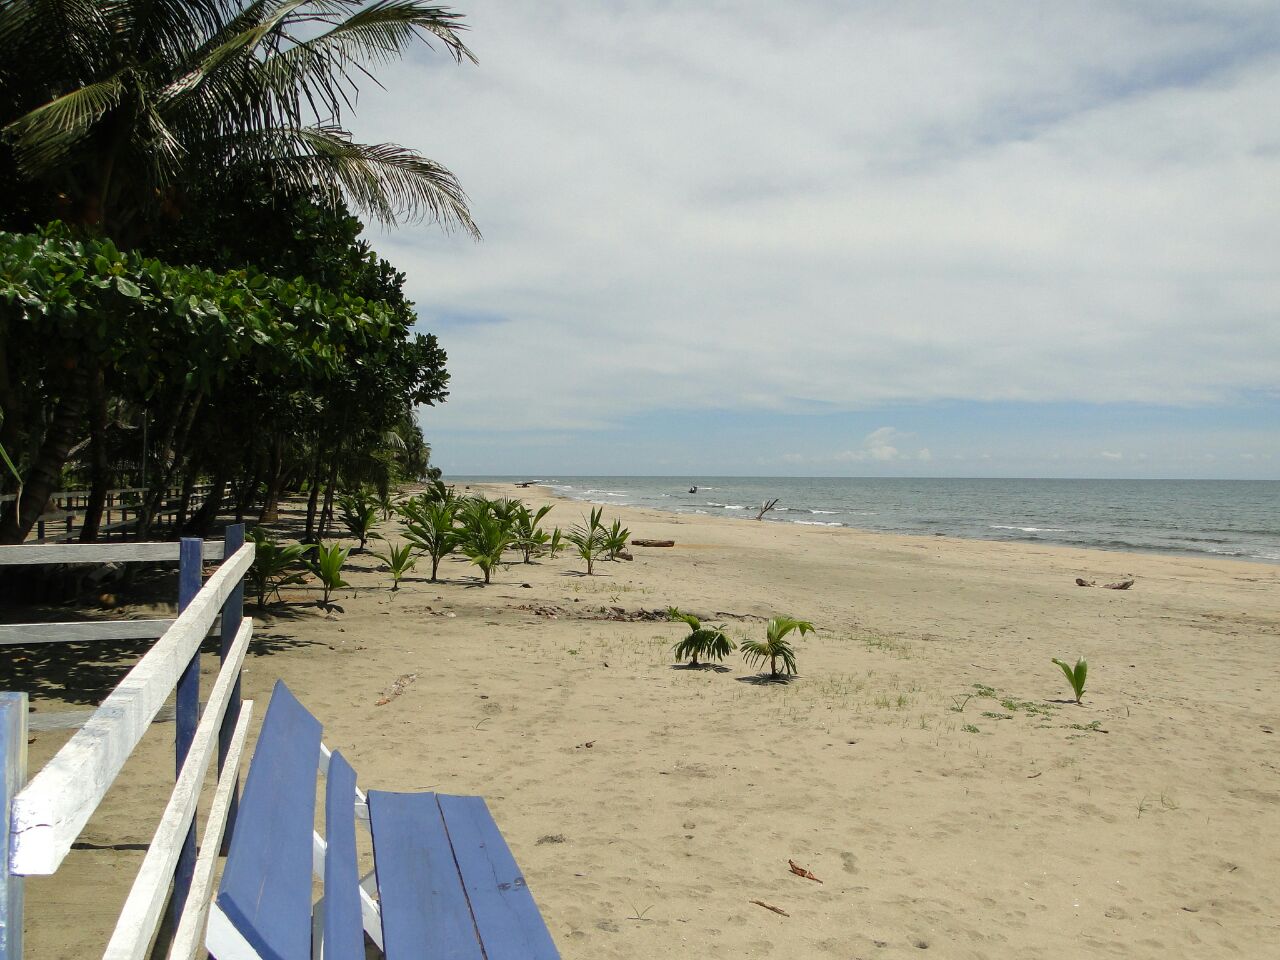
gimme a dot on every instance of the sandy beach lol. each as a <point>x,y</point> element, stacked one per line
<point>928,764</point>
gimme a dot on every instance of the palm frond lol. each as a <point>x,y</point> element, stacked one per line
<point>42,136</point>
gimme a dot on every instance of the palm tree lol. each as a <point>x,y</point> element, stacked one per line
<point>113,111</point>
<point>709,642</point>
<point>111,107</point>
<point>775,646</point>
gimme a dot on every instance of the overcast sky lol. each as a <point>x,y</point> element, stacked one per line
<point>864,238</point>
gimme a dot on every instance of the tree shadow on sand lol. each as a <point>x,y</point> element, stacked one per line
<point>702,667</point>
<point>767,680</point>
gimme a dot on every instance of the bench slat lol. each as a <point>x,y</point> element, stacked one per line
<point>424,908</point>
<point>511,928</point>
<point>266,887</point>
<point>343,920</point>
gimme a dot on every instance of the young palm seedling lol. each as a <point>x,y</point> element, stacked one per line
<point>775,646</point>
<point>327,566</point>
<point>429,526</point>
<point>274,565</point>
<point>1075,675</point>
<point>588,539</point>
<point>359,515</point>
<point>556,543</point>
<point>530,538</point>
<point>484,538</point>
<point>615,539</point>
<point>399,560</point>
<point>708,642</point>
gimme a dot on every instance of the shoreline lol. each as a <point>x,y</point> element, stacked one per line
<point>511,489</point>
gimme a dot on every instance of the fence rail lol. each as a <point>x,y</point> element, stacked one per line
<point>43,817</point>
<point>65,507</point>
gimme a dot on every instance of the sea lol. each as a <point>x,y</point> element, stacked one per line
<point>1218,518</point>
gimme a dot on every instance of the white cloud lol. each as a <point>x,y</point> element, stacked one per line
<point>1112,455</point>
<point>706,207</point>
<point>878,445</point>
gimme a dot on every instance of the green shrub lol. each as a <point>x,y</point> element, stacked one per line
<point>530,539</point>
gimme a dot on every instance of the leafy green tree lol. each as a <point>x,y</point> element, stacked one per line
<point>775,646</point>
<point>122,118</point>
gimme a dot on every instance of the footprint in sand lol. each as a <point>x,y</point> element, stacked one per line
<point>849,861</point>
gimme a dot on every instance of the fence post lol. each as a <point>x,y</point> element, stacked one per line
<point>190,570</point>
<point>13,777</point>
<point>232,615</point>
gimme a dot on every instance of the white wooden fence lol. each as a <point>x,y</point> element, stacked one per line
<point>42,817</point>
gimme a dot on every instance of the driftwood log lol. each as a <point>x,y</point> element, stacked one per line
<point>766,507</point>
<point>653,543</point>
<point>1118,585</point>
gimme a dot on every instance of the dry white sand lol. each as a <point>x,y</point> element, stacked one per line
<point>927,763</point>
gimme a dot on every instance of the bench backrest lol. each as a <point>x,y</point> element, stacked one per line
<point>447,884</point>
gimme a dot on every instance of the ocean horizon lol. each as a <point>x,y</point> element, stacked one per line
<point>1233,519</point>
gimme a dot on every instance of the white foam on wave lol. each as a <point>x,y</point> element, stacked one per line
<point>825,511</point>
<point>818,523</point>
<point>1005,526</point>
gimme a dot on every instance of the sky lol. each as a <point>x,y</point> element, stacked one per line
<point>851,238</point>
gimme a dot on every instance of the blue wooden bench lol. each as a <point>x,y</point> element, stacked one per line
<point>444,884</point>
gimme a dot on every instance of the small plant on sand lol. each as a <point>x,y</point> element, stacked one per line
<point>360,515</point>
<point>775,646</point>
<point>531,538</point>
<point>327,566</point>
<point>710,643</point>
<point>615,539</point>
<point>484,538</point>
<point>588,538</point>
<point>275,565</point>
<point>399,560</point>
<point>1075,675</point>
<point>556,543</point>
<point>429,526</point>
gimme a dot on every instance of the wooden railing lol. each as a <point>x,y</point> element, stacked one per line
<point>57,524</point>
<point>42,818</point>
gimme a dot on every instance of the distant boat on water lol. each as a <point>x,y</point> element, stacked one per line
<point>693,489</point>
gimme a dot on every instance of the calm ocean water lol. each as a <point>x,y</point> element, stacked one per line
<point>1222,518</point>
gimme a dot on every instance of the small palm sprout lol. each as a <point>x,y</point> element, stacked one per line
<point>1075,675</point>
<point>530,538</point>
<point>556,543</point>
<point>274,565</point>
<point>775,646</point>
<point>708,642</point>
<point>484,538</point>
<point>429,526</point>
<point>360,515</point>
<point>327,566</point>
<point>589,539</point>
<point>615,539</point>
<point>399,560</point>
